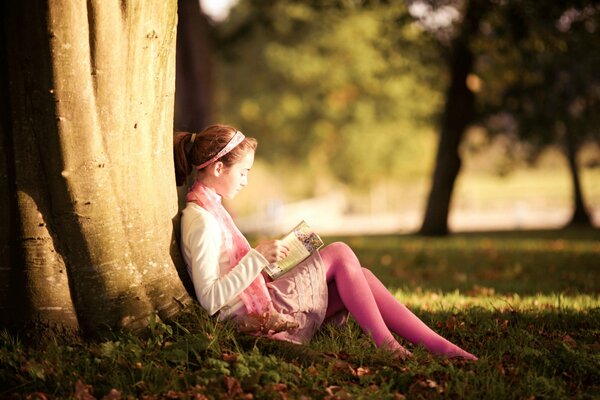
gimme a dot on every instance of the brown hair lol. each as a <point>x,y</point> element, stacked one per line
<point>205,146</point>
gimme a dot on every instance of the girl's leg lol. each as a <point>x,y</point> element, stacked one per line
<point>355,294</point>
<point>334,302</point>
<point>371,303</point>
<point>402,321</point>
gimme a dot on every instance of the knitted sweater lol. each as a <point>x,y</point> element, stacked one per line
<point>217,286</point>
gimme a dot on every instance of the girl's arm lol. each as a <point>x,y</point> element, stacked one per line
<point>203,242</point>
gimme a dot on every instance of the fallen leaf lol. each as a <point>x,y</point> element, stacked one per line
<point>431,383</point>
<point>233,386</point>
<point>502,325</point>
<point>335,393</point>
<point>230,357</point>
<point>500,369</point>
<point>83,391</point>
<point>569,341</point>
<point>279,387</point>
<point>424,385</point>
<point>594,346</point>
<point>37,396</point>
<point>114,394</point>
<point>362,371</point>
<point>451,323</point>
<point>194,392</point>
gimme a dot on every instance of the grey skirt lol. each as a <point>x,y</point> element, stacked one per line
<point>301,295</point>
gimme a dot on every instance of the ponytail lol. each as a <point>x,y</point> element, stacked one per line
<point>183,167</point>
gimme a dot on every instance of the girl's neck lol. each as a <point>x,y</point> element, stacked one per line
<point>208,183</point>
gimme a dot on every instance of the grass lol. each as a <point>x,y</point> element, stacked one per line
<point>527,303</point>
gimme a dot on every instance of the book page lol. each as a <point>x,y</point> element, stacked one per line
<point>296,254</point>
<point>301,242</point>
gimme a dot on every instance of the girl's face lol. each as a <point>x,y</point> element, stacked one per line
<point>234,178</point>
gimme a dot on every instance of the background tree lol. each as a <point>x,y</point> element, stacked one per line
<point>533,68</point>
<point>194,71</point>
<point>458,114</point>
<point>543,86</point>
<point>194,86</point>
<point>87,191</point>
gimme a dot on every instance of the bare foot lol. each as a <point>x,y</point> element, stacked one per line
<point>397,349</point>
<point>457,352</point>
<point>402,353</point>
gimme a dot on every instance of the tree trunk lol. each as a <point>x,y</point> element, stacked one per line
<point>580,217</point>
<point>86,180</point>
<point>193,95</point>
<point>457,115</point>
<point>193,81</point>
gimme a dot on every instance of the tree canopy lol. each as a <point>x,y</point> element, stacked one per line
<point>539,67</point>
<point>350,88</point>
<point>354,89</point>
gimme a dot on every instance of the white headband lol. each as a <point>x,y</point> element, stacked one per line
<point>237,138</point>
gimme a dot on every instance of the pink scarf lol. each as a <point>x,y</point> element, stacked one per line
<point>256,297</point>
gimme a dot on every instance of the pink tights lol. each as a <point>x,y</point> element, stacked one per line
<point>378,313</point>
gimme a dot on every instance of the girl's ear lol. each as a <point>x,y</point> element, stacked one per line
<point>218,168</point>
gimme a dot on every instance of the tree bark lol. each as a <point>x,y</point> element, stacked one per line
<point>193,94</point>
<point>193,80</point>
<point>580,216</point>
<point>457,115</point>
<point>87,164</point>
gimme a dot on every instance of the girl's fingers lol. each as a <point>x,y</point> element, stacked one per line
<point>274,250</point>
<point>282,247</point>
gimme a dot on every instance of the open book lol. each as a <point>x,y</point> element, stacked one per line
<point>302,242</point>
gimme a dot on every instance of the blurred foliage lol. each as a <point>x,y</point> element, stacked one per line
<point>351,91</point>
<point>348,90</point>
<point>538,72</point>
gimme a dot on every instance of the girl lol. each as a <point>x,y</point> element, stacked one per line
<point>227,273</point>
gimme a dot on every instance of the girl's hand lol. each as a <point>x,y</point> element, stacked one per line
<point>273,250</point>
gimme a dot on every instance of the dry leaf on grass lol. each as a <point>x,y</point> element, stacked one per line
<point>83,391</point>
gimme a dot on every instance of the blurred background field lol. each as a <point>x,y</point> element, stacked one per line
<point>526,197</point>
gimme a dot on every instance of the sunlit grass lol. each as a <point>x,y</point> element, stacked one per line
<point>526,303</point>
<point>483,298</point>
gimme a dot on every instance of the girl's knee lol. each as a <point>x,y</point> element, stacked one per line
<point>340,248</point>
<point>340,255</point>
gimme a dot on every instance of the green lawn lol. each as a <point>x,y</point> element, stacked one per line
<point>526,303</point>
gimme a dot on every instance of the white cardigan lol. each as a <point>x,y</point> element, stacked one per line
<point>217,286</point>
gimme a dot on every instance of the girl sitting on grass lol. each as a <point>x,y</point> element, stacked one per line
<point>227,273</point>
